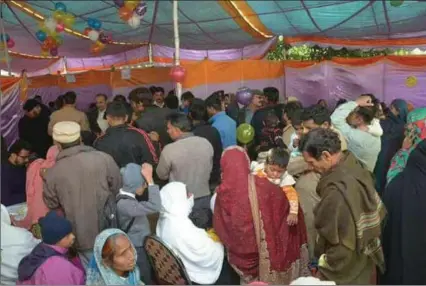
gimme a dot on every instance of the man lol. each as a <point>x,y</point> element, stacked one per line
<point>98,123</point>
<point>257,101</point>
<point>33,127</point>
<point>186,98</point>
<point>158,95</point>
<point>139,98</point>
<point>226,126</point>
<point>290,110</point>
<point>349,214</point>
<point>68,112</point>
<point>13,173</point>
<point>80,183</point>
<point>198,114</point>
<point>188,160</point>
<point>356,121</point>
<point>124,143</point>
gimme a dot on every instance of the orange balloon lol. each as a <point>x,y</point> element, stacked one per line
<point>45,46</point>
<point>50,42</point>
<point>95,49</point>
<point>124,13</point>
<point>131,4</point>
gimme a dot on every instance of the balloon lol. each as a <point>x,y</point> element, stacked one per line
<point>60,27</point>
<point>68,20</point>
<point>93,35</point>
<point>58,15</point>
<point>411,81</point>
<point>125,14</point>
<point>141,9</point>
<point>244,96</point>
<point>87,30</point>
<point>41,36</point>
<point>50,42</point>
<point>97,47</point>
<point>54,51</point>
<point>96,24</point>
<point>177,73</point>
<point>396,3</point>
<point>119,3</point>
<point>134,21</point>
<point>45,46</point>
<point>131,4</point>
<point>59,40</point>
<point>50,24</point>
<point>105,39</point>
<point>44,53</point>
<point>59,6</point>
<point>245,133</point>
<point>101,45</point>
<point>10,43</point>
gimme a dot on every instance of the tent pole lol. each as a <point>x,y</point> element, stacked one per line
<point>177,45</point>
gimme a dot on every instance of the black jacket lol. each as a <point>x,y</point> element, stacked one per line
<point>92,116</point>
<point>154,119</point>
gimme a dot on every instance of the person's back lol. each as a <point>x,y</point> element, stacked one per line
<point>154,119</point>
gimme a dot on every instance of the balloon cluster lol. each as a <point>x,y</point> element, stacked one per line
<point>100,39</point>
<point>9,41</point>
<point>52,27</point>
<point>131,11</point>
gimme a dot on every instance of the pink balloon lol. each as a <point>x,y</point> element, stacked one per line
<point>54,52</point>
<point>60,27</point>
<point>10,43</point>
<point>178,73</point>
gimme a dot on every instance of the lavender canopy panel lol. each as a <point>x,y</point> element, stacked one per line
<point>11,112</point>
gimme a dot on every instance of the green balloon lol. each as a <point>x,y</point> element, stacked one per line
<point>245,133</point>
<point>396,3</point>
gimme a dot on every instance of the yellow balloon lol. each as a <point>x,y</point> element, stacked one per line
<point>53,34</point>
<point>58,15</point>
<point>59,40</point>
<point>44,53</point>
<point>68,20</point>
<point>131,4</point>
<point>100,45</point>
<point>411,81</point>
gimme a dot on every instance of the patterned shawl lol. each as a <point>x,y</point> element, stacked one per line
<point>99,274</point>
<point>416,130</point>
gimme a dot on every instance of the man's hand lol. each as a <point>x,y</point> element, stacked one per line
<point>364,101</point>
<point>154,136</point>
<point>146,172</point>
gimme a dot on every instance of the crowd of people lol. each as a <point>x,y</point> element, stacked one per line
<point>308,196</point>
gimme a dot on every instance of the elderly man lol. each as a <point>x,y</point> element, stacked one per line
<point>80,183</point>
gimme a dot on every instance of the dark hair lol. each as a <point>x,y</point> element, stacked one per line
<point>71,144</point>
<point>30,104</point>
<point>141,95</point>
<point>160,89</point>
<point>367,113</point>
<point>102,95</point>
<point>70,97</point>
<point>59,102</point>
<point>88,137</point>
<point>278,157</point>
<point>318,113</point>
<point>187,96</point>
<point>37,97</point>
<point>18,146</point>
<point>340,102</point>
<point>180,120</point>
<point>197,109</point>
<point>291,107</point>
<point>120,97</point>
<point>271,120</point>
<point>214,101</point>
<point>296,117</point>
<point>172,92</point>
<point>117,109</point>
<point>152,89</point>
<point>319,140</point>
<point>51,104</point>
<point>171,101</point>
<point>272,94</point>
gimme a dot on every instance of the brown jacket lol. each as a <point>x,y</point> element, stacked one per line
<point>287,132</point>
<point>80,183</point>
<point>68,113</point>
<point>347,220</point>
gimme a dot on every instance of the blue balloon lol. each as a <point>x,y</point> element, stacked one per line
<point>59,6</point>
<point>97,24</point>
<point>41,36</point>
<point>90,22</point>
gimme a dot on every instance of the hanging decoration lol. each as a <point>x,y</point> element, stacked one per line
<point>10,43</point>
<point>411,81</point>
<point>131,11</point>
<point>50,29</point>
<point>396,3</point>
<point>98,37</point>
<point>178,73</point>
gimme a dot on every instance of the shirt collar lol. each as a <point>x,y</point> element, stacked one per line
<point>185,135</point>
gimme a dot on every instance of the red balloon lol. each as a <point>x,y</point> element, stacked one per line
<point>178,73</point>
<point>125,13</point>
<point>87,30</point>
<point>60,27</point>
<point>10,43</point>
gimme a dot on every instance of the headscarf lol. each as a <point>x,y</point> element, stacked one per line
<point>416,130</point>
<point>402,107</point>
<point>201,255</point>
<point>100,274</point>
<point>16,243</point>
<point>34,188</point>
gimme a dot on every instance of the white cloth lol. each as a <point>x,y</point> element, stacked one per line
<point>311,281</point>
<point>201,256</point>
<point>66,132</point>
<point>103,124</point>
<point>16,243</point>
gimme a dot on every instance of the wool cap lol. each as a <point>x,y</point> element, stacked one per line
<point>54,228</point>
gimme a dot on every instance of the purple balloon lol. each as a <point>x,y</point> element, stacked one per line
<point>119,3</point>
<point>141,9</point>
<point>244,96</point>
<point>54,52</point>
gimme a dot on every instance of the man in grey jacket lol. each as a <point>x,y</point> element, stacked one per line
<point>138,198</point>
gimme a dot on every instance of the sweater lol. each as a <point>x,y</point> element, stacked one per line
<point>227,128</point>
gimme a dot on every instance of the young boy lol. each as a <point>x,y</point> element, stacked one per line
<point>297,134</point>
<point>275,170</point>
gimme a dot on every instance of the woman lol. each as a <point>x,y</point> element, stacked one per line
<point>16,243</point>
<point>113,261</point>
<point>201,255</point>
<point>265,248</point>
<point>404,233</point>
<point>391,140</point>
<point>34,188</point>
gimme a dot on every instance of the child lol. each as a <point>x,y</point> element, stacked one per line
<point>270,137</point>
<point>50,262</point>
<point>275,170</point>
<point>296,122</point>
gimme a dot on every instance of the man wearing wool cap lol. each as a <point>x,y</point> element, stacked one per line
<point>80,183</point>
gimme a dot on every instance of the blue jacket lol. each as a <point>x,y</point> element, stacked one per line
<point>227,128</point>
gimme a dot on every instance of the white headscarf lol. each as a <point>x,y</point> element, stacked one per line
<point>201,256</point>
<point>16,243</point>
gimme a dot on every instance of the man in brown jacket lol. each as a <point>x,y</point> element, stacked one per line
<point>79,184</point>
<point>69,113</point>
<point>350,212</point>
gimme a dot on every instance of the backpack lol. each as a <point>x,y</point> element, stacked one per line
<point>110,218</point>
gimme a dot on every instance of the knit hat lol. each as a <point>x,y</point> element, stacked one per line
<point>54,228</point>
<point>66,132</point>
<point>132,178</point>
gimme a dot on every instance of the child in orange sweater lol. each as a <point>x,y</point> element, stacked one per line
<point>275,170</point>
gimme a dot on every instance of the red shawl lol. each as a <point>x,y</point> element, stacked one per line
<point>234,224</point>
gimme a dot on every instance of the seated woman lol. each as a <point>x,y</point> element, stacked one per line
<point>251,221</point>
<point>50,262</point>
<point>201,255</point>
<point>16,243</point>
<point>113,261</point>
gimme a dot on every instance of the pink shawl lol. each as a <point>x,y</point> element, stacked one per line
<point>34,189</point>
